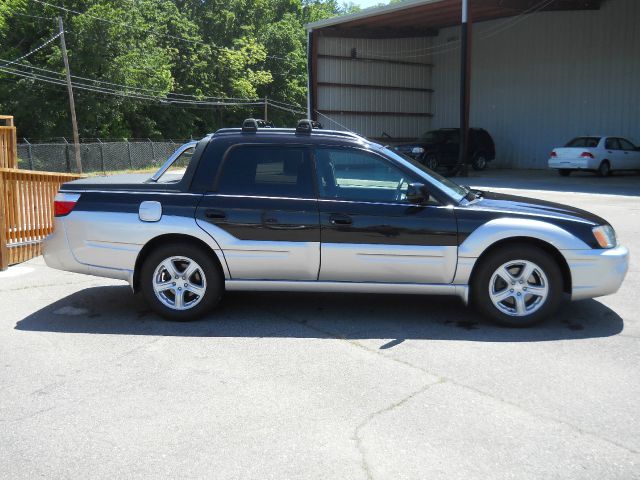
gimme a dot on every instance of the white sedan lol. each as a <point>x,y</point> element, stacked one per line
<point>602,155</point>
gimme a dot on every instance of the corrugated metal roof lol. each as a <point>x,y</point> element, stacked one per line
<point>414,16</point>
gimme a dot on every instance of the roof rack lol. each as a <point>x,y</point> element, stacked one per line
<point>305,127</point>
<point>250,125</point>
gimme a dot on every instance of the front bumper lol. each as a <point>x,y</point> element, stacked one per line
<point>596,272</point>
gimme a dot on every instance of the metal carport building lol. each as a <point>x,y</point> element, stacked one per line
<point>542,72</point>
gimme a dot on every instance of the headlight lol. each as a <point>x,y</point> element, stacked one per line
<point>417,150</point>
<point>605,236</point>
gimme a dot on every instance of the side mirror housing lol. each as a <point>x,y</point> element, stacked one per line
<point>417,193</point>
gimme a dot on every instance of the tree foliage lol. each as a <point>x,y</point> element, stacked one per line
<point>159,48</point>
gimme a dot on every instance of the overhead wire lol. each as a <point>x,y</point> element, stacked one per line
<point>28,54</point>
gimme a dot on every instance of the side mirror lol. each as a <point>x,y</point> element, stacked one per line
<point>417,193</point>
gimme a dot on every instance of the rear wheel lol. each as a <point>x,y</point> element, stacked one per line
<point>564,172</point>
<point>604,170</point>
<point>479,161</point>
<point>181,281</point>
<point>517,286</point>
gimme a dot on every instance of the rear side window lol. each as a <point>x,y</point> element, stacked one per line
<point>612,144</point>
<point>274,171</point>
<point>584,142</point>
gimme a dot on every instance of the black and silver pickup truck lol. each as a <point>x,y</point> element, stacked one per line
<point>319,210</point>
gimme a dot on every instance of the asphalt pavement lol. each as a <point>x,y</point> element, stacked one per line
<point>323,386</point>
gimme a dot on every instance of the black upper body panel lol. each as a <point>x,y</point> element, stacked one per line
<point>490,206</point>
<point>123,193</point>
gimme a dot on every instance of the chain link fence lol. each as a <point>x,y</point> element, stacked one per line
<point>96,155</point>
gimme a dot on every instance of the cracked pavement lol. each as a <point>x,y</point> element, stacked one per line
<point>92,384</point>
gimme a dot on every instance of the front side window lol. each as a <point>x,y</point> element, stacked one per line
<point>626,144</point>
<point>260,170</point>
<point>356,175</point>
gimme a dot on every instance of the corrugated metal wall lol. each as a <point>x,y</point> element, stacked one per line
<point>338,70</point>
<point>537,80</point>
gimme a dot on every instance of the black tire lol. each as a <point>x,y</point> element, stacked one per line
<point>564,172</point>
<point>479,162</point>
<point>484,275</point>
<point>213,281</point>
<point>604,170</point>
<point>431,161</point>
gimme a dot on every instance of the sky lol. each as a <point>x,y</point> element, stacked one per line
<point>367,3</point>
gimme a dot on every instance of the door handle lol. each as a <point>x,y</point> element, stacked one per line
<point>273,224</point>
<point>339,219</point>
<point>213,214</point>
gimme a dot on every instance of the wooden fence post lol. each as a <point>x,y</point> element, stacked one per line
<point>4,250</point>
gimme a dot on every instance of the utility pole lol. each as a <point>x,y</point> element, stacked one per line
<point>266,105</point>
<point>465,89</point>
<point>72,104</point>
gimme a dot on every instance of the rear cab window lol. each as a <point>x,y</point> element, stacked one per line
<point>583,142</point>
<point>266,170</point>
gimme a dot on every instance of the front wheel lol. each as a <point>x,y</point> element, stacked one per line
<point>431,161</point>
<point>181,281</point>
<point>517,286</point>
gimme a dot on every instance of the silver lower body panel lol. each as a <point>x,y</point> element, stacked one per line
<point>461,291</point>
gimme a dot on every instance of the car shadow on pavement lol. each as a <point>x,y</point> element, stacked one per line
<point>115,310</point>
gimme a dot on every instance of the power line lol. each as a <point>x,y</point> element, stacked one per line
<point>33,51</point>
<point>131,87</point>
<point>136,96</point>
<point>32,16</point>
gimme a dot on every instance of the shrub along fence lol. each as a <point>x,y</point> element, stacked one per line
<point>97,155</point>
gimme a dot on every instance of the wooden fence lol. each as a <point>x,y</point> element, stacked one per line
<point>26,213</point>
<point>26,202</point>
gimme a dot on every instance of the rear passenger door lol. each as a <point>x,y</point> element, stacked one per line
<point>370,232</point>
<point>263,212</point>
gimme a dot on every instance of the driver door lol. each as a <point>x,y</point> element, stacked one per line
<point>370,232</point>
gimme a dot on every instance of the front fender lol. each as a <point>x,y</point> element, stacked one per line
<point>504,228</point>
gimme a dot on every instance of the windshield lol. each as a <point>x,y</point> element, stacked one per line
<point>449,187</point>
<point>432,137</point>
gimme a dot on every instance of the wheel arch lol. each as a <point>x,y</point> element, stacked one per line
<point>547,247</point>
<point>168,238</point>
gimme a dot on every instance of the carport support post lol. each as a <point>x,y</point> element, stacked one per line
<point>465,90</point>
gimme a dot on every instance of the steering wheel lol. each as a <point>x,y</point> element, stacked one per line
<point>399,190</point>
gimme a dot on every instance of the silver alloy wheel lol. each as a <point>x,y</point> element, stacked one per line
<point>518,288</point>
<point>179,283</point>
<point>431,161</point>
